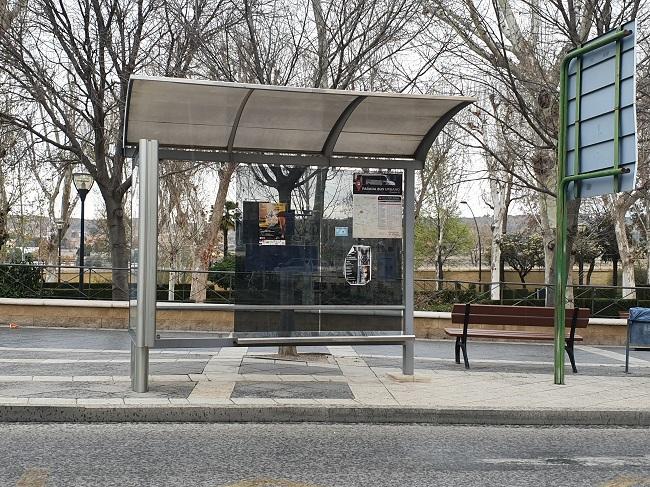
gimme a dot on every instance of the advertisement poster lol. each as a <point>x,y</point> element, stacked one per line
<point>358,265</point>
<point>272,223</point>
<point>377,205</point>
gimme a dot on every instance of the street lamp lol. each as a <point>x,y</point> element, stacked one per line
<point>82,182</point>
<point>59,228</point>
<point>478,234</point>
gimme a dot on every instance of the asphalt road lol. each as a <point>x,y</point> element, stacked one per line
<point>320,455</point>
<point>23,349</point>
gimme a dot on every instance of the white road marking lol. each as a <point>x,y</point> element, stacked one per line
<point>626,461</point>
<point>77,378</point>
<point>613,355</point>
<point>340,351</point>
<point>497,361</point>
<point>51,361</point>
<point>97,350</point>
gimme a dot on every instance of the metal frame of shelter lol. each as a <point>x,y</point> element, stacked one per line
<point>179,119</point>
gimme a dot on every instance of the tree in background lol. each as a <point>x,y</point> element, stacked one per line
<point>641,220</point>
<point>80,91</point>
<point>8,162</point>
<point>598,219</point>
<point>607,238</point>
<point>523,252</point>
<point>587,247</point>
<point>514,49</point>
<point>434,244</point>
<point>492,131</point>
<point>436,200</point>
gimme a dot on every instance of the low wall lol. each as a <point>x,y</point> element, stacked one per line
<point>601,331</point>
<point>218,317</point>
<point>111,314</point>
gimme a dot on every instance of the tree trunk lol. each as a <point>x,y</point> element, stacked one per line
<point>627,256</point>
<point>549,266</point>
<point>581,271</point>
<point>4,211</point>
<point>570,292</point>
<point>225,242</point>
<point>119,247</point>
<point>286,316</point>
<point>592,264</point>
<point>646,204</point>
<point>502,274</point>
<point>439,271</point>
<point>522,278</point>
<point>647,257</point>
<point>319,201</point>
<point>171,286</point>
<point>544,164</point>
<point>614,271</point>
<point>172,279</point>
<point>209,237</point>
<point>500,192</point>
<point>495,268</point>
<point>573,209</point>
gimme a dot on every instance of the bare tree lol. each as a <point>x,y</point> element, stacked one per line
<point>73,62</point>
<point>520,45</point>
<point>500,162</point>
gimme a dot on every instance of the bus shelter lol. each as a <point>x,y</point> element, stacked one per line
<point>325,189</point>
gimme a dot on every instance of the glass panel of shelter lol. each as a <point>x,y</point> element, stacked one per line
<point>297,254</point>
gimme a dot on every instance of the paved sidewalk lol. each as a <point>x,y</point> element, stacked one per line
<point>336,385</point>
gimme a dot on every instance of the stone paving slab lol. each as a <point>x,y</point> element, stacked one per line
<point>615,369</point>
<point>286,369</point>
<point>104,368</point>
<point>91,390</point>
<point>292,390</point>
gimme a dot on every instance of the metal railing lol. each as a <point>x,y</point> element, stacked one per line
<point>62,282</point>
<point>602,300</point>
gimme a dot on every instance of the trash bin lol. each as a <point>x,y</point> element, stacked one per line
<point>638,331</point>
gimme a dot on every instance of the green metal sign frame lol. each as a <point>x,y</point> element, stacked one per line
<point>563,180</point>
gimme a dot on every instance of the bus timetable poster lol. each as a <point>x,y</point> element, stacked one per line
<point>377,205</point>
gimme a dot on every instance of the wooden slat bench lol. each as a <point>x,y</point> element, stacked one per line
<point>524,316</point>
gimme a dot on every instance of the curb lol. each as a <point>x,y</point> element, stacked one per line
<point>322,414</point>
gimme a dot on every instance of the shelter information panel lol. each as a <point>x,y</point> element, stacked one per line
<point>377,205</point>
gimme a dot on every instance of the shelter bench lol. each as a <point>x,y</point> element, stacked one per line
<point>520,316</point>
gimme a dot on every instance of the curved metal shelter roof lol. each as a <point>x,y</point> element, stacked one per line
<point>210,120</point>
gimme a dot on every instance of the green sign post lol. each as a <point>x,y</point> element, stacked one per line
<point>572,171</point>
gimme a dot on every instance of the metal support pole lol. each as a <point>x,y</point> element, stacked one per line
<point>139,368</point>
<point>82,249</point>
<point>561,211</point>
<point>145,332</point>
<point>408,349</point>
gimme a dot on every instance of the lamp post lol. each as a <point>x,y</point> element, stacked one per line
<point>59,228</point>
<point>478,234</point>
<point>82,182</point>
